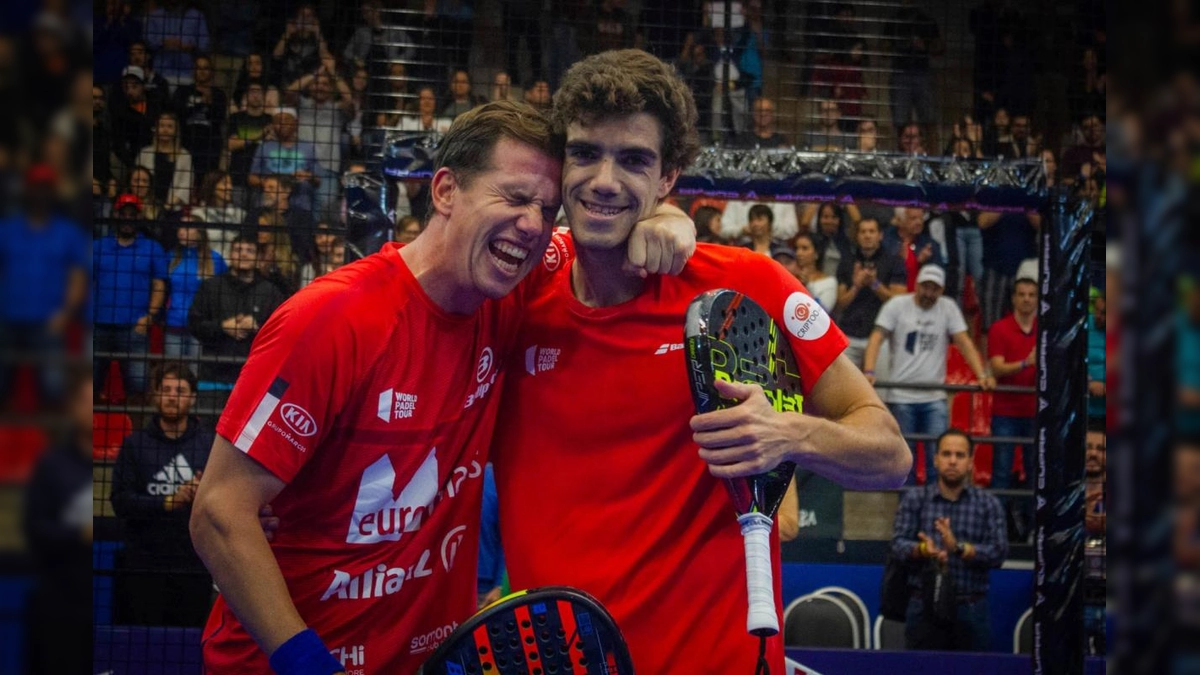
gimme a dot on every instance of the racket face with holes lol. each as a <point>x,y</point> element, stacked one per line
<point>730,337</point>
<point>553,630</point>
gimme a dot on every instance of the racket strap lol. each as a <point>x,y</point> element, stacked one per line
<point>763,668</point>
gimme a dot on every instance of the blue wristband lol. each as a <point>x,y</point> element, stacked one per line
<point>304,654</point>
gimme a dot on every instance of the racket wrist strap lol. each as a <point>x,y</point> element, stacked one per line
<point>304,654</point>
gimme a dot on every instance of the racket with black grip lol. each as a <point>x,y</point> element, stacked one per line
<point>554,630</point>
<point>730,337</point>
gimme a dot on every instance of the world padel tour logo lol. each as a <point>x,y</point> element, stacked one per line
<point>804,317</point>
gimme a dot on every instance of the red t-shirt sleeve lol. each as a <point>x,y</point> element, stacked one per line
<point>296,380</point>
<point>816,341</point>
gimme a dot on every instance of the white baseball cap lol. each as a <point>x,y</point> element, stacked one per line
<point>932,273</point>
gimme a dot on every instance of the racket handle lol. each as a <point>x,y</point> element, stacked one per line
<point>756,533</point>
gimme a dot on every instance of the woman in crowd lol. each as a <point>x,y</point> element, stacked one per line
<point>822,286</point>
<point>172,165</point>
<point>192,261</point>
<point>254,69</point>
<point>329,253</point>
<point>708,225</point>
<point>141,182</point>
<point>833,230</point>
<point>216,208</point>
<point>277,262</point>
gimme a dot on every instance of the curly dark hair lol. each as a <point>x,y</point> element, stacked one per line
<point>627,81</point>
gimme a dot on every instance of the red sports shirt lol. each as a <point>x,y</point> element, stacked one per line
<point>376,407</point>
<point>1005,338</point>
<point>599,481</point>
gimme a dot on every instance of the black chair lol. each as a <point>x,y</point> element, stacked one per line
<point>856,606</point>
<point>889,635</point>
<point>1023,633</point>
<point>820,621</point>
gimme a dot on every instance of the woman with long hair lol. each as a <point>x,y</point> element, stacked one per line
<point>215,207</point>
<point>708,225</point>
<point>277,262</point>
<point>192,261</point>
<point>822,286</point>
<point>254,69</point>
<point>172,165</point>
<point>833,229</point>
<point>329,253</point>
<point>141,182</point>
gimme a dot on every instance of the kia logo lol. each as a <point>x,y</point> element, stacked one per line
<point>298,420</point>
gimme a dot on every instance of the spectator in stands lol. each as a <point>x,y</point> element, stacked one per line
<point>910,139</point>
<point>172,164</point>
<point>43,283</point>
<point>998,135</point>
<point>176,33</point>
<point>330,254</point>
<point>1097,356</point>
<point>253,71</point>
<point>323,111</point>
<point>866,279</point>
<point>708,225</point>
<point>696,69</point>
<point>502,88</point>
<point>832,227</point>
<point>758,234</point>
<point>191,261</point>
<point>808,270</point>
<point>233,25</point>
<point>375,45</point>
<point>1008,238</point>
<point>868,136</point>
<point>538,95</point>
<point>449,30</point>
<point>610,27</point>
<point>277,261</point>
<point>395,97</point>
<point>1049,167</point>
<point>129,273</point>
<point>356,110</point>
<point>247,127</point>
<point>1012,350</point>
<point>426,118</point>
<point>202,108</point>
<point>56,521</point>
<point>461,98</point>
<point>971,131</point>
<point>160,579</point>
<point>134,117</point>
<point>226,315</point>
<point>1091,151</point>
<point>914,37</point>
<point>1088,85</point>
<point>112,35</point>
<point>840,79</point>
<point>277,203</point>
<point>919,327</point>
<point>1023,143</point>
<point>522,19</point>
<point>282,153</point>
<point>104,168</point>
<point>762,133</point>
<point>950,524</point>
<point>909,239</point>
<point>1095,471</point>
<point>827,135</point>
<point>141,185</point>
<point>157,90</point>
<point>407,230</point>
<point>302,47</point>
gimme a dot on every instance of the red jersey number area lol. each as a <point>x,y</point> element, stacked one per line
<point>377,409</point>
<point>599,481</point>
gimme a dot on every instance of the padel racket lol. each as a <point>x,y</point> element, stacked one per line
<point>730,337</point>
<point>549,630</point>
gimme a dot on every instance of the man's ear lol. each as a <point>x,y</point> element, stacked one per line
<point>442,189</point>
<point>667,183</point>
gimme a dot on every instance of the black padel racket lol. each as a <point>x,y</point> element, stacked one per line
<point>544,631</point>
<point>730,337</point>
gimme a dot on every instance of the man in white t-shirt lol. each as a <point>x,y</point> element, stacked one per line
<point>918,328</point>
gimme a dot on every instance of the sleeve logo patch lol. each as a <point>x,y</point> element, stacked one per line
<point>556,253</point>
<point>298,420</point>
<point>805,318</point>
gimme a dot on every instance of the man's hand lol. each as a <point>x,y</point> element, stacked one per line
<point>925,254</point>
<point>749,438</point>
<point>143,324</point>
<point>1096,388</point>
<point>942,525</point>
<point>928,549</point>
<point>230,326</point>
<point>987,383</point>
<point>661,244</point>
<point>489,597</point>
